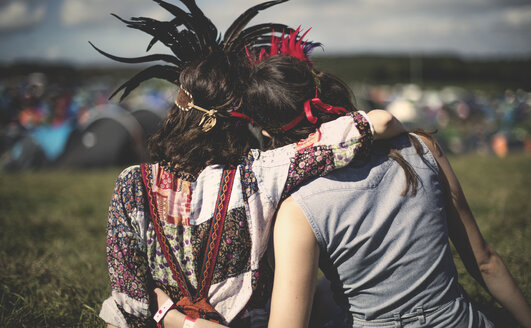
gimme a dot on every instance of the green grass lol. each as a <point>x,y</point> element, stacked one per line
<point>499,193</point>
<point>52,248</point>
<point>52,238</point>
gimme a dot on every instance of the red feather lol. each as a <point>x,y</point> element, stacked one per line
<point>290,45</point>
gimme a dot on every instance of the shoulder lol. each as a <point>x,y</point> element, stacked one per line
<point>424,144</point>
<point>427,140</point>
<point>129,182</point>
<point>130,172</point>
<point>130,175</point>
<point>271,157</point>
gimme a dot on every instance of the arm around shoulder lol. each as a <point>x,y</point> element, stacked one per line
<point>385,125</point>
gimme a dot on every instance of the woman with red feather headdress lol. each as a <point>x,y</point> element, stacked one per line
<point>379,229</point>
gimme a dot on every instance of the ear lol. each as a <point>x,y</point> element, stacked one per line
<point>266,134</point>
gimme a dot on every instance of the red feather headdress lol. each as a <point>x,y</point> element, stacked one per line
<point>293,45</point>
<point>287,44</point>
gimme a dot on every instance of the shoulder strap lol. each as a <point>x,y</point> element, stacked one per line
<point>216,229</point>
<point>175,268</point>
<point>214,239</point>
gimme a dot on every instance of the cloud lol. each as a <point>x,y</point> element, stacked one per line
<point>518,16</point>
<point>52,53</point>
<point>79,12</point>
<point>18,15</point>
<point>96,12</point>
<point>471,27</point>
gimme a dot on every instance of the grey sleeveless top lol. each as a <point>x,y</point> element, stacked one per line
<point>387,256</point>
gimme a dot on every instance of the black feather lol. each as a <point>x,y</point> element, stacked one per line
<point>191,36</point>
<point>205,28</point>
<point>168,34</point>
<point>248,36</point>
<point>168,73</point>
<point>136,60</point>
<point>186,18</point>
<point>120,18</point>
<point>183,17</point>
<point>239,24</point>
<point>151,44</point>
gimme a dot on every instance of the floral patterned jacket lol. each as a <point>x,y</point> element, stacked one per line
<point>241,280</point>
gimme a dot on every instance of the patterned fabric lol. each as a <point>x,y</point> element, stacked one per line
<point>249,184</point>
<point>262,285</point>
<point>137,322</point>
<point>311,162</point>
<point>123,244</point>
<point>235,247</point>
<point>185,205</point>
<point>126,253</point>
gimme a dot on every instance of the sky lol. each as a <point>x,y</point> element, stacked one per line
<point>59,30</point>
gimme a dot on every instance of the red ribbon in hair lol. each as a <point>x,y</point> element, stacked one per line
<point>243,116</point>
<point>316,103</point>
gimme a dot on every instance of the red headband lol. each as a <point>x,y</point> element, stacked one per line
<point>320,105</point>
<point>289,45</point>
<point>242,116</point>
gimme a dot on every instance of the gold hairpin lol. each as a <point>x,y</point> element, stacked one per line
<point>185,101</point>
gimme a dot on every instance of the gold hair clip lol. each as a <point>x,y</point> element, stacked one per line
<point>185,102</point>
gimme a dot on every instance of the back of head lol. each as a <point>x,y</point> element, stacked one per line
<point>205,128</point>
<point>277,90</point>
<point>214,83</point>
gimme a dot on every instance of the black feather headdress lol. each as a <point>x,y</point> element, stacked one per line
<point>191,35</point>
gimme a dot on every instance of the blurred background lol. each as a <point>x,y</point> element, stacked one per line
<point>462,67</point>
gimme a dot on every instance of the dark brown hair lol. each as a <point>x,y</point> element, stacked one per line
<point>277,89</point>
<point>215,83</point>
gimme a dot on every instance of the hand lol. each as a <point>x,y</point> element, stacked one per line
<point>162,297</point>
<point>173,318</point>
<point>385,124</point>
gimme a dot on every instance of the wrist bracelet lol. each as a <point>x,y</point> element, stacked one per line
<point>189,322</point>
<point>163,310</point>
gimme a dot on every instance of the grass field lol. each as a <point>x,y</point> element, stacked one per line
<point>52,238</point>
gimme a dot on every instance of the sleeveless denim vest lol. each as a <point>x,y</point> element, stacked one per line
<point>386,255</point>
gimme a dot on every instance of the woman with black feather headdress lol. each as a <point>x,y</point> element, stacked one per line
<point>195,222</point>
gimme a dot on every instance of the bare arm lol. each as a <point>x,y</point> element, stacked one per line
<point>480,259</point>
<point>296,262</point>
<point>385,124</point>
